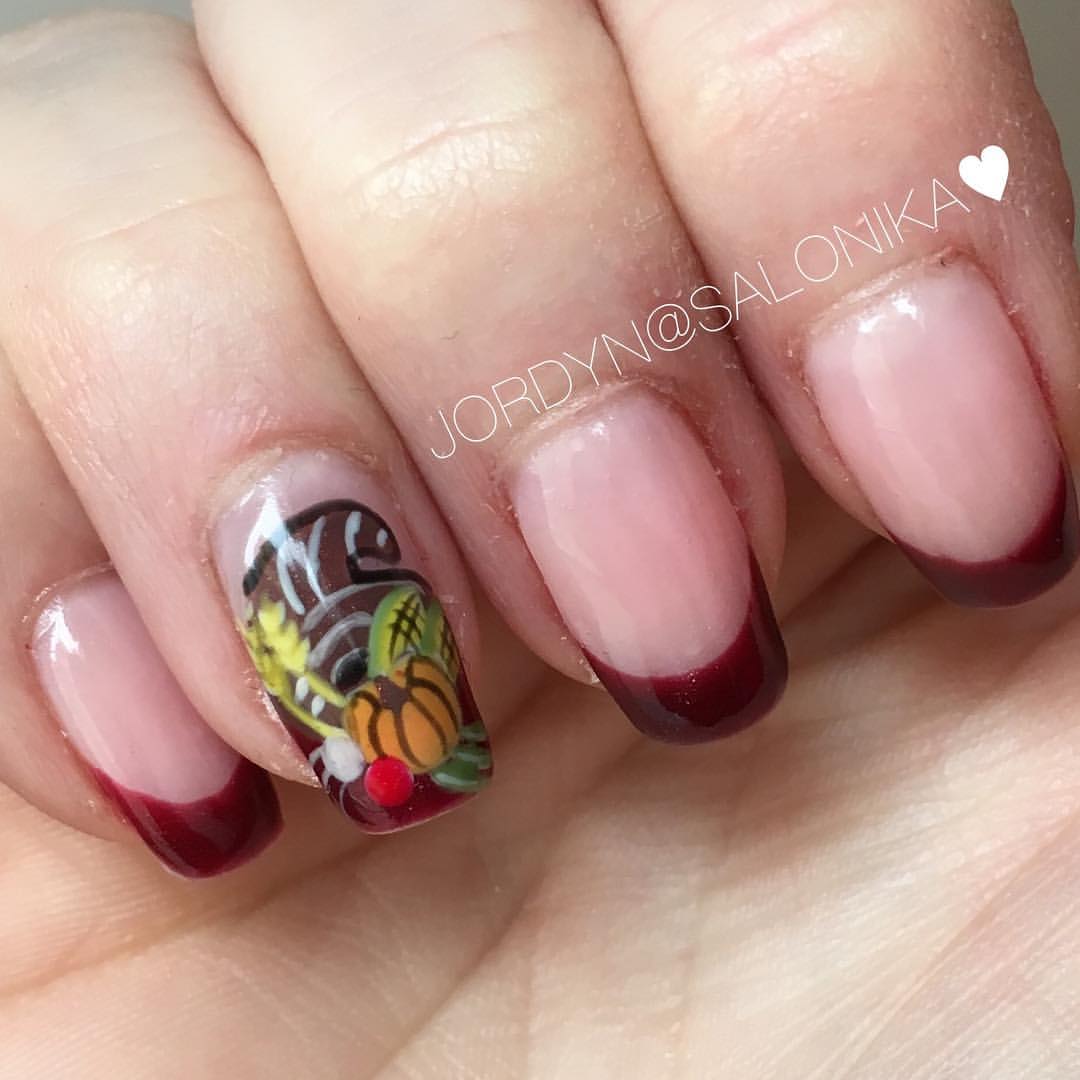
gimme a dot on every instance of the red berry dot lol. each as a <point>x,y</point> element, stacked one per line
<point>388,781</point>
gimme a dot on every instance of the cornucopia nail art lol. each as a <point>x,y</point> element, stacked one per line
<point>353,647</point>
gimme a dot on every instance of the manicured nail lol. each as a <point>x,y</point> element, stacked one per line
<point>647,561</point>
<point>200,807</point>
<point>930,399</point>
<point>351,643</point>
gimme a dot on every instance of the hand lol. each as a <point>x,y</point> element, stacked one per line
<point>245,286</point>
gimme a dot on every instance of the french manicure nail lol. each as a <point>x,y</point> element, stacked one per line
<point>351,643</point>
<point>647,561</point>
<point>929,397</point>
<point>200,807</point>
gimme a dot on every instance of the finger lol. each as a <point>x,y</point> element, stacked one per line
<point>96,733</point>
<point>483,218</point>
<point>233,462</point>
<point>200,807</point>
<point>918,340</point>
<point>33,758</point>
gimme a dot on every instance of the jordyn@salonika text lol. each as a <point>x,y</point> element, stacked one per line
<point>670,326</point>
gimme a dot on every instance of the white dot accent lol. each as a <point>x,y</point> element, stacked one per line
<point>317,706</point>
<point>342,759</point>
<point>381,537</point>
<point>301,688</point>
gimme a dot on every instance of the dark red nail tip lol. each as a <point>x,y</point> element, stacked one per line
<point>1036,565</point>
<point>209,836</point>
<point>714,701</point>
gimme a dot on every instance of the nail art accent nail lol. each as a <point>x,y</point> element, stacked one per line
<point>200,807</point>
<point>360,661</point>
<point>716,700</point>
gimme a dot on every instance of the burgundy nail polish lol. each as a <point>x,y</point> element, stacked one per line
<point>210,835</point>
<point>647,560</point>
<point>1041,561</point>
<point>717,699</point>
<point>933,403</point>
<point>200,807</point>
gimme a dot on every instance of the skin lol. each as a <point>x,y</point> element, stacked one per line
<point>875,881</point>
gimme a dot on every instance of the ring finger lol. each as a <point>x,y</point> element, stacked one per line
<point>482,215</point>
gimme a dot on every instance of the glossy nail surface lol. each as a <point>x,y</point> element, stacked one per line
<point>647,561</point>
<point>200,807</point>
<point>929,396</point>
<point>351,643</point>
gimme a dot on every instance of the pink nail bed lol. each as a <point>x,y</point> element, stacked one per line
<point>929,396</point>
<point>647,561</point>
<point>200,807</point>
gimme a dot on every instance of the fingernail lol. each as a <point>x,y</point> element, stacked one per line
<point>646,560</point>
<point>351,643</point>
<point>200,807</point>
<point>930,399</point>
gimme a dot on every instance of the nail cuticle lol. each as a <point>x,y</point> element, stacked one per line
<point>854,303</point>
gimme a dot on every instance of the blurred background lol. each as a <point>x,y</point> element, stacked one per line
<point>1052,28</point>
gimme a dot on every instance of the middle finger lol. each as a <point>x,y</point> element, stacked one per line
<point>481,212</point>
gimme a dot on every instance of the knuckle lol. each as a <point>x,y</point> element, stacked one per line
<point>814,56</point>
<point>455,176</point>
<point>438,182</point>
<point>113,133</point>
<point>785,64</point>
<point>176,287</point>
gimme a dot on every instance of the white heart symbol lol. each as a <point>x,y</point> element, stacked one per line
<point>987,174</point>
